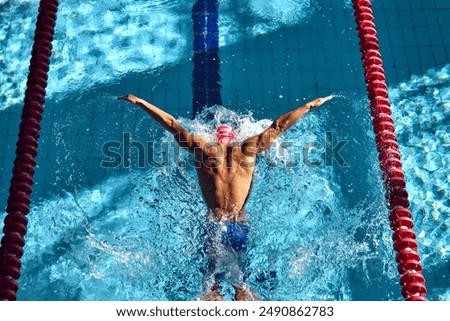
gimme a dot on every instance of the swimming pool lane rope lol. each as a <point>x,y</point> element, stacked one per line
<point>18,206</point>
<point>404,238</point>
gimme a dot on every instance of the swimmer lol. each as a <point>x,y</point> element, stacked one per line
<point>225,172</point>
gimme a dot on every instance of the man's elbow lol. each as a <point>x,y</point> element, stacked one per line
<point>170,124</point>
<point>279,126</point>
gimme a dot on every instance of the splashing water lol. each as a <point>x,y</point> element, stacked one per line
<point>339,95</point>
<point>141,236</point>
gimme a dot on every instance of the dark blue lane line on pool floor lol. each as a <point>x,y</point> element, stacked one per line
<point>206,76</point>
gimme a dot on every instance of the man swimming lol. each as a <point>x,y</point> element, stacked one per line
<point>225,171</point>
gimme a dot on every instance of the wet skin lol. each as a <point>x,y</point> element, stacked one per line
<point>225,169</point>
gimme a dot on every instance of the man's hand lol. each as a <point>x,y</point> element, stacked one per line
<point>318,102</point>
<point>131,98</point>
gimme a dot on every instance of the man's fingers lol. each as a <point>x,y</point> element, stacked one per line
<point>322,100</point>
<point>129,97</point>
<point>319,101</point>
<point>327,98</point>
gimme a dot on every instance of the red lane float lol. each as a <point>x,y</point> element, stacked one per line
<point>404,238</point>
<point>18,207</point>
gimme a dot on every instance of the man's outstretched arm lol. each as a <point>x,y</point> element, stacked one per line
<point>168,122</point>
<point>261,142</point>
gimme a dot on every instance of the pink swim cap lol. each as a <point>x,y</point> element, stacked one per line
<point>225,134</point>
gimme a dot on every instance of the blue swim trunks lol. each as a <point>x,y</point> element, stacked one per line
<point>232,234</point>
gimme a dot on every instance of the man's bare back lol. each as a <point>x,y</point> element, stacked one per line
<point>225,171</point>
<point>225,175</point>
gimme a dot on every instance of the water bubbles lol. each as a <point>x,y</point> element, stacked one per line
<point>338,95</point>
<point>287,12</point>
<point>96,196</point>
<point>443,75</point>
<point>433,162</point>
<point>263,28</point>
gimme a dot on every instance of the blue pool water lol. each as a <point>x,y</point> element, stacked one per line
<point>318,231</point>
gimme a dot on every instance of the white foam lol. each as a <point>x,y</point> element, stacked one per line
<point>286,12</point>
<point>128,228</point>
